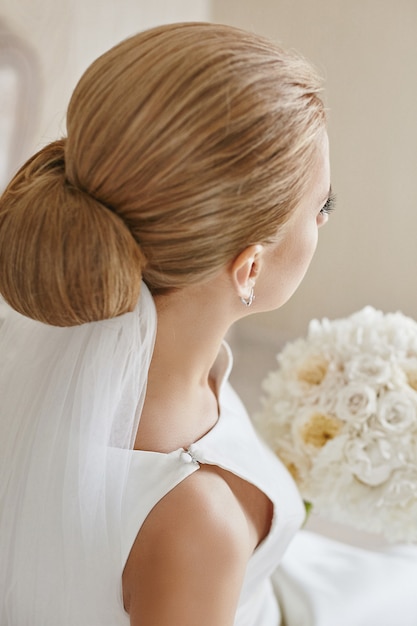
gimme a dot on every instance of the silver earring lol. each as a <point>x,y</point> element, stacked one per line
<point>248,301</point>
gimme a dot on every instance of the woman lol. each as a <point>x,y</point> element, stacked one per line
<point>190,190</point>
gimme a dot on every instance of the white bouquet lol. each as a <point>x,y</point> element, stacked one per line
<point>341,413</point>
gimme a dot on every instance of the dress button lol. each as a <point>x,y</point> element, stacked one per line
<point>187,457</point>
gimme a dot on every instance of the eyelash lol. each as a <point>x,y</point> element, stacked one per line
<point>330,205</point>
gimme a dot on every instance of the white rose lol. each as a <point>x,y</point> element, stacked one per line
<point>368,368</point>
<point>356,402</point>
<point>397,411</point>
<point>371,458</point>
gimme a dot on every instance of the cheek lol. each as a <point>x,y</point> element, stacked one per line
<point>311,245</point>
<point>302,251</point>
<point>296,263</point>
<point>287,266</point>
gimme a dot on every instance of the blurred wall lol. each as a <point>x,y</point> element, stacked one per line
<point>62,37</point>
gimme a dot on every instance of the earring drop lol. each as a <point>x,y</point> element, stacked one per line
<point>248,301</point>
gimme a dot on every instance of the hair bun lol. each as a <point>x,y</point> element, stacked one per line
<point>65,259</point>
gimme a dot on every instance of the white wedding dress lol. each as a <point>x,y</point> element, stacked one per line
<point>233,445</point>
<point>316,581</point>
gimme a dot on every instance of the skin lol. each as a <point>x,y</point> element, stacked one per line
<point>188,561</point>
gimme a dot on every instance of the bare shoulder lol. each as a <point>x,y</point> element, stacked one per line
<point>189,558</point>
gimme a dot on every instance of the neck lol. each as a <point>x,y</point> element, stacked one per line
<point>181,403</point>
<point>188,338</point>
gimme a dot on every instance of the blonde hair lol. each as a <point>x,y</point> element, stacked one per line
<point>186,143</point>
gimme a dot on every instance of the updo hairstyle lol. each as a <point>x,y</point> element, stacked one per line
<point>186,143</point>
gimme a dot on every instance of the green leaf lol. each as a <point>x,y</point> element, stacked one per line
<point>308,507</point>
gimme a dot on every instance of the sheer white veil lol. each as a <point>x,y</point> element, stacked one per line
<point>69,399</point>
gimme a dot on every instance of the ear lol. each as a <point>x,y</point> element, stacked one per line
<point>245,269</point>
